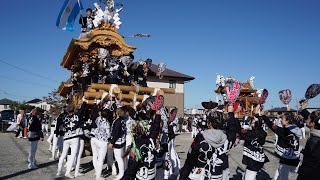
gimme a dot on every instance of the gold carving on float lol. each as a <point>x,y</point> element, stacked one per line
<point>106,36</point>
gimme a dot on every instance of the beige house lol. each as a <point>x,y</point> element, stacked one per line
<point>194,111</point>
<point>38,103</point>
<point>5,104</point>
<point>171,79</point>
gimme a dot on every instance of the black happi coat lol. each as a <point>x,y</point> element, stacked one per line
<point>118,133</point>
<point>84,23</point>
<point>200,152</point>
<point>140,76</point>
<point>71,125</point>
<point>45,119</point>
<point>35,132</point>
<point>287,148</point>
<point>59,128</point>
<point>311,160</point>
<point>92,69</point>
<point>305,113</point>
<point>253,154</point>
<point>145,169</point>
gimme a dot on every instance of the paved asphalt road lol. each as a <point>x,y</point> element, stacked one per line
<point>14,152</point>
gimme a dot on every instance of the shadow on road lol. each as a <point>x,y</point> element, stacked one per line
<point>29,170</point>
<point>262,175</point>
<point>87,167</point>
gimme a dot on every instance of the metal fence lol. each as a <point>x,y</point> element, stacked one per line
<point>4,126</point>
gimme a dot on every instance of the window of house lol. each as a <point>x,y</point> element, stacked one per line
<point>172,84</point>
<point>6,107</point>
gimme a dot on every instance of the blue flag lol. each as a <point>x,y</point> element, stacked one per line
<point>68,14</point>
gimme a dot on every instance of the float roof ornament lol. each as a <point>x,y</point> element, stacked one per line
<point>105,36</point>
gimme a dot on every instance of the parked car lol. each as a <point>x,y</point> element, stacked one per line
<point>8,115</point>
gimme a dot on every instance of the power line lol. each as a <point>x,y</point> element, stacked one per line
<point>27,71</point>
<point>26,82</point>
<point>16,96</point>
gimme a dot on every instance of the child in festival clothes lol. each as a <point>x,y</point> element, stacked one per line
<point>253,156</point>
<point>86,23</point>
<point>287,148</point>
<point>311,156</point>
<point>207,157</point>
<point>142,162</point>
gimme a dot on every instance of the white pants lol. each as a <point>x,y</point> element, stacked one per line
<point>79,154</point>
<point>74,145</point>
<point>118,154</point>
<point>282,172</point>
<point>50,138</point>
<point>276,139</point>
<point>225,174</point>
<point>249,175</point>
<point>57,141</point>
<point>303,131</point>
<point>32,152</point>
<point>99,151</point>
<point>128,145</point>
<point>194,132</point>
<point>110,159</point>
<point>45,128</point>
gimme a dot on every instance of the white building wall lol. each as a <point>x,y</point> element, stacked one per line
<point>4,107</point>
<point>164,83</point>
<point>194,111</point>
<point>42,105</point>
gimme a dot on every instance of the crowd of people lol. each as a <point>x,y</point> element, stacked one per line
<point>102,67</point>
<point>139,144</point>
<point>23,121</point>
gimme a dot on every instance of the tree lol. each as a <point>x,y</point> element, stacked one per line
<point>21,105</point>
<point>57,102</point>
<point>15,105</point>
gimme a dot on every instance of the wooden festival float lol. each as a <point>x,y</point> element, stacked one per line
<point>248,96</point>
<point>105,36</point>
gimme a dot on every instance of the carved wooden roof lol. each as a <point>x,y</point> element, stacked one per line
<point>64,89</point>
<point>243,90</point>
<point>105,36</point>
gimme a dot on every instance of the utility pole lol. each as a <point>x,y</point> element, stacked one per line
<point>297,104</point>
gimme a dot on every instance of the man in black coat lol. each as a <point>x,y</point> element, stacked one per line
<point>34,135</point>
<point>86,22</point>
<point>86,72</point>
<point>140,73</point>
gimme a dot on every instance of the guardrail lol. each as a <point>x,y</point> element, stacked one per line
<point>4,126</point>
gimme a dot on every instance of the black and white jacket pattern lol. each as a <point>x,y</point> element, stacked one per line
<point>102,132</point>
<point>71,127</point>
<point>145,168</point>
<point>118,134</point>
<point>212,157</point>
<point>287,148</point>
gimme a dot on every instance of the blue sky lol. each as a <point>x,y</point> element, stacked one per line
<point>276,41</point>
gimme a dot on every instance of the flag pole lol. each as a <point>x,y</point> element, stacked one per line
<point>80,12</point>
